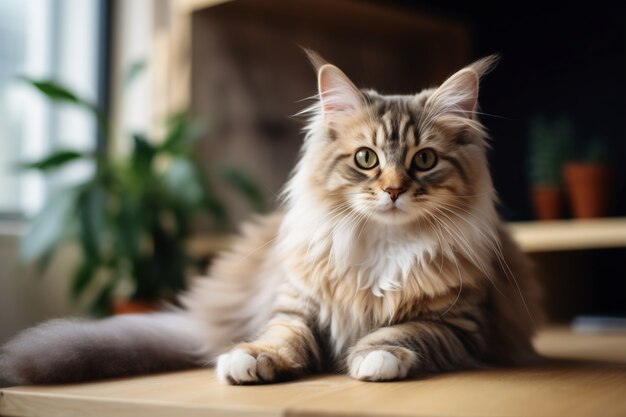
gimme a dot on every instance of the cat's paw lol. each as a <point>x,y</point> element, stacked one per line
<point>250,365</point>
<point>381,364</point>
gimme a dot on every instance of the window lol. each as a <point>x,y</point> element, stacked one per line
<point>44,39</point>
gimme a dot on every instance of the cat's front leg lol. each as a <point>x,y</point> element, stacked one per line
<point>399,351</point>
<point>287,348</point>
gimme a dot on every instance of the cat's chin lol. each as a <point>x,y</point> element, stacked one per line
<point>393,216</point>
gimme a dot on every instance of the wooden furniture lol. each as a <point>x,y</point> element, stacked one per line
<point>579,263</point>
<point>345,28</point>
<point>560,235</point>
<point>585,376</point>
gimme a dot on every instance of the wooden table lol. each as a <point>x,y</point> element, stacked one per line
<point>587,377</point>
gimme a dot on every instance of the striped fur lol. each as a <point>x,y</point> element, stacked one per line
<point>344,278</point>
<point>379,291</point>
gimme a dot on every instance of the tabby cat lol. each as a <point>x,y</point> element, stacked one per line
<point>386,260</point>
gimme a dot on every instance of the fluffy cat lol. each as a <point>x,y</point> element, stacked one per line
<point>385,260</point>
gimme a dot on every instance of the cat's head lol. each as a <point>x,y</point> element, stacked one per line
<point>397,159</point>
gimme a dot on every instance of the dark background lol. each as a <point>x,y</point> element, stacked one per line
<point>567,59</point>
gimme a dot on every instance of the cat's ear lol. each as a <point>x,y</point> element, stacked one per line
<point>458,95</point>
<point>338,94</point>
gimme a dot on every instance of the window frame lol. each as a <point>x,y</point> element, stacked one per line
<point>15,219</point>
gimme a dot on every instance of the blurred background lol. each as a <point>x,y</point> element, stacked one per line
<point>135,135</point>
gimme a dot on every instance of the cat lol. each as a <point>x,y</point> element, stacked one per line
<point>385,260</point>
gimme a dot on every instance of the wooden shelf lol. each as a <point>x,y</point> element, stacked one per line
<point>587,378</point>
<point>560,235</point>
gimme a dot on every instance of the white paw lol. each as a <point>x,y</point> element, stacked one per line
<point>379,365</point>
<point>237,367</point>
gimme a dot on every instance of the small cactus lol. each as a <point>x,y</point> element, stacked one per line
<point>595,151</point>
<point>550,144</point>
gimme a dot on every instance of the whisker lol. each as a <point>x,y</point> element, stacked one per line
<point>459,275</point>
<point>508,272</point>
<point>479,263</point>
<point>493,115</point>
<point>258,248</point>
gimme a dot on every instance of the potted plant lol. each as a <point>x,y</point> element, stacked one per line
<point>590,179</point>
<point>549,144</point>
<point>131,218</point>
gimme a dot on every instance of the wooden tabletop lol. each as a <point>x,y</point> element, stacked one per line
<point>585,377</point>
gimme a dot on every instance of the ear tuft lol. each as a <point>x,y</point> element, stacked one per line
<point>458,95</point>
<point>484,65</point>
<point>316,59</point>
<point>338,94</point>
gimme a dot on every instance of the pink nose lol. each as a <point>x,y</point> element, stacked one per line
<point>394,193</point>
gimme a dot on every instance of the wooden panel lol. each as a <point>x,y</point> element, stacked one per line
<point>587,379</point>
<point>570,234</point>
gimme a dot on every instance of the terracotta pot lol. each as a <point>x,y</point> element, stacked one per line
<point>135,306</point>
<point>548,202</point>
<point>590,188</point>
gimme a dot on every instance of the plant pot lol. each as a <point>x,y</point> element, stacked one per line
<point>548,202</point>
<point>589,187</point>
<point>135,306</point>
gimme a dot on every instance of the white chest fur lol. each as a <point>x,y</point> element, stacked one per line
<point>380,258</point>
<point>361,274</point>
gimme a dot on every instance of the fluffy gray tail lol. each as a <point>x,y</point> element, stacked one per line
<point>71,350</point>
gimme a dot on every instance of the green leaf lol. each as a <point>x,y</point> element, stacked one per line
<point>135,69</point>
<point>143,153</point>
<point>43,262</point>
<point>49,227</point>
<point>128,227</point>
<point>54,161</point>
<point>83,276</point>
<point>216,208</point>
<point>91,206</point>
<point>53,91</point>
<point>57,92</point>
<point>181,131</point>
<point>101,305</point>
<point>246,186</point>
<point>181,182</point>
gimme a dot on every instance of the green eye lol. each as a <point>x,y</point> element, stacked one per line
<point>425,159</point>
<point>365,158</point>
